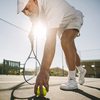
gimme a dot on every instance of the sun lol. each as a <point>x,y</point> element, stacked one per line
<point>40,30</point>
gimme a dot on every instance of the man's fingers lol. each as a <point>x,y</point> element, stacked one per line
<point>35,89</point>
<point>46,86</point>
<point>42,80</point>
<point>41,90</point>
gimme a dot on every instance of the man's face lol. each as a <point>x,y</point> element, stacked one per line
<point>31,8</point>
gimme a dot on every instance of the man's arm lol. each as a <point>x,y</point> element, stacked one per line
<point>49,51</point>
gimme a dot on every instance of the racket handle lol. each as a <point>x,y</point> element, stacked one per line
<point>31,38</point>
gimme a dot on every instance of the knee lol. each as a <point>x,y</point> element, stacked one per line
<point>66,41</point>
<point>67,38</point>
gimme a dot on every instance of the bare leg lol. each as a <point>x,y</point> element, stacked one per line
<point>77,60</point>
<point>68,46</point>
<point>72,60</point>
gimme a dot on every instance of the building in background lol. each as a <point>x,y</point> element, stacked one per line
<point>9,67</point>
<point>92,67</point>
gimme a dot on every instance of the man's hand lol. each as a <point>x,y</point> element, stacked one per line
<point>42,80</point>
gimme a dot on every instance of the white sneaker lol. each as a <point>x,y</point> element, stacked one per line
<point>81,77</point>
<point>70,85</point>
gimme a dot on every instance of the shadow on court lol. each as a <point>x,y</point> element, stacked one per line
<point>92,87</point>
<point>24,91</point>
<point>86,94</point>
<point>13,97</point>
<point>33,97</point>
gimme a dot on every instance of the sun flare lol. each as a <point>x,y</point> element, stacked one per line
<point>40,30</point>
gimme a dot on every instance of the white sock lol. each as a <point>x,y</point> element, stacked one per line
<point>80,68</point>
<point>71,74</point>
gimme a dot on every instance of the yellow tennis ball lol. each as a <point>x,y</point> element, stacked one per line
<point>44,91</point>
<point>38,91</point>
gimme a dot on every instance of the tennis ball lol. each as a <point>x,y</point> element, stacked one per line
<point>38,91</point>
<point>44,91</point>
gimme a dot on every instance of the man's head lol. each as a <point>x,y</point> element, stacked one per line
<point>28,7</point>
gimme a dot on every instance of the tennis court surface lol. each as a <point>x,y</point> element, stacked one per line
<point>15,88</point>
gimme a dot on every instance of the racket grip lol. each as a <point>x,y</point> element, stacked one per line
<point>31,38</point>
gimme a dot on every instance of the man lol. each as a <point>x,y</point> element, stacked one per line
<point>65,21</point>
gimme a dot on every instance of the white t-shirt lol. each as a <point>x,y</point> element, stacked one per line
<point>54,11</point>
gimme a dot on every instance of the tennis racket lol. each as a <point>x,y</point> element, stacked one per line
<point>31,65</point>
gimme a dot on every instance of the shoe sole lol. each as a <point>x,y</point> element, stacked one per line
<point>68,89</point>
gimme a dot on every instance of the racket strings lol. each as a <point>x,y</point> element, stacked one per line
<point>30,77</point>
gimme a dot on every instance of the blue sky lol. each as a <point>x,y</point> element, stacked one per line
<point>14,43</point>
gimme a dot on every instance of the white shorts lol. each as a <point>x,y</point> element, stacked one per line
<point>71,22</point>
